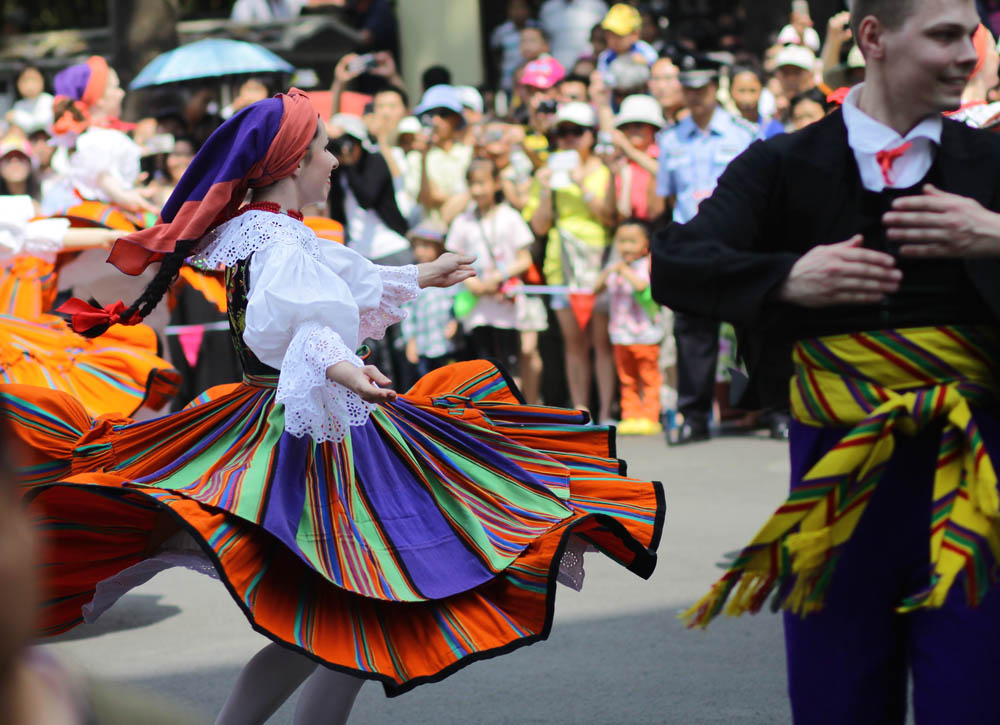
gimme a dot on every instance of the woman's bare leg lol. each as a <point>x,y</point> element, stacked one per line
<point>265,682</point>
<point>327,698</point>
<point>531,368</point>
<point>577,358</point>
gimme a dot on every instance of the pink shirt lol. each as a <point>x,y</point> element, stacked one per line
<point>630,324</point>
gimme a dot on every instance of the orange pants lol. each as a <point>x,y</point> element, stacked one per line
<point>640,379</point>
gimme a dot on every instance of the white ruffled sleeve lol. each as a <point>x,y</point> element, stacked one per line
<point>40,238</point>
<point>302,317</point>
<point>399,285</point>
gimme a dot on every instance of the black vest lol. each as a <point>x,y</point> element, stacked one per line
<point>932,292</point>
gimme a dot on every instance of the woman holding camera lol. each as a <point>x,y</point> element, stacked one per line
<point>567,203</point>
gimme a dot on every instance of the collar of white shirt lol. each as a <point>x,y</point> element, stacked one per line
<point>867,137</point>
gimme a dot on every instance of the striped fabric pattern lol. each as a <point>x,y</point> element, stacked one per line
<point>27,287</point>
<point>428,539</point>
<point>119,371</point>
<point>879,385</point>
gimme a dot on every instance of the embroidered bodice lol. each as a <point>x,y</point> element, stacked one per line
<point>299,305</point>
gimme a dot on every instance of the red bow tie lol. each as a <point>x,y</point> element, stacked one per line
<point>887,158</point>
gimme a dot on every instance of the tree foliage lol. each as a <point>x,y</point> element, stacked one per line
<point>41,15</point>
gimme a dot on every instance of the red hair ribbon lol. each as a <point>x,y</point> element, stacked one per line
<point>838,96</point>
<point>84,316</point>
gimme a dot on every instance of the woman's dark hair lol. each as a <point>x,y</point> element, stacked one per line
<point>26,67</point>
<point>747,68</point>
<point>392,88</point>
<point>575,78</point>
<point>34,186</point>
<point>170,267</point>
<point>436,75</point>
<point>813,94</point>
<point>540,30</point>
<point>634,221</point>
<point>68,104</point>
<point>480,161</point>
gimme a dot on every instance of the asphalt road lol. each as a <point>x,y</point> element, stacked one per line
<point>617,653</point>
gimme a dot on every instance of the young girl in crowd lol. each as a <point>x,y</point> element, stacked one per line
<point>430,327</point>
<point>369,535</point>
<point>33,110</point>
<point>746,86</point>
<point>17,177</point>
<point>636,329</point>
<point>499,238</point>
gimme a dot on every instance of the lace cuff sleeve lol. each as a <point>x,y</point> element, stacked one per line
<point>399,285</point>
<point>314,405</point>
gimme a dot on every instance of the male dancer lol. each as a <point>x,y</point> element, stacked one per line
<point>870,243</point>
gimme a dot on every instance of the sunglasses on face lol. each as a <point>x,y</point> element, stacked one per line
<point>575,131</point>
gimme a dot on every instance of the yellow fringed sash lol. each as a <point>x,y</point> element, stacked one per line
<point>878,384</point>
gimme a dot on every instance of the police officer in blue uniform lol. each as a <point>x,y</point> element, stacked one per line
<point>693,155</point>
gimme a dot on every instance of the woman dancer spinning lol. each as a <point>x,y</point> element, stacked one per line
<point>369,535</point>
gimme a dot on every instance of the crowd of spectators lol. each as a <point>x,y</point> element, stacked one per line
<point>603,126</point>
<point>556,178</point>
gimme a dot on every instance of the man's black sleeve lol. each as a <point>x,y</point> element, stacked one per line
<point>720,264</point>
<point>370,181</point>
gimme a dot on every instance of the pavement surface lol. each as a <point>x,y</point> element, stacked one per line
<point>617,652</point>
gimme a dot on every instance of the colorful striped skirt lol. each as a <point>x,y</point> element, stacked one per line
<point>429,538</point>
<point>118,372</point>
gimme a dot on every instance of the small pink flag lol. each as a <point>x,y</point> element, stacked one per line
<point>190,339</point>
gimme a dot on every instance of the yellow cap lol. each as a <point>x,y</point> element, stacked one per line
<point>622,19</point>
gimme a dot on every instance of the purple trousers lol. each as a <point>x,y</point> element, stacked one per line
<point>848,665</point>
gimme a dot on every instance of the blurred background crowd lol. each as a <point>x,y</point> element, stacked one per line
<point>590,126</point>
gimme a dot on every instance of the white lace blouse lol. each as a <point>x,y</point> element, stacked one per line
<point>310,304</point>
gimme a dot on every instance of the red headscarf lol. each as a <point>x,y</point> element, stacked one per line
<point>260,145</point>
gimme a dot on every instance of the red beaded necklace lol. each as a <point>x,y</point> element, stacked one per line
<point>269,206</point>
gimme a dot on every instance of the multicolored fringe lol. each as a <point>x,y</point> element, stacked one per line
<point>879,384</point>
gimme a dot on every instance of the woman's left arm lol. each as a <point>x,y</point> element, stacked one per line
<point>594,199</point>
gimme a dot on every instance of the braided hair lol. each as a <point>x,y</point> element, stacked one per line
<point>63,105</point>
<point>170,267</point>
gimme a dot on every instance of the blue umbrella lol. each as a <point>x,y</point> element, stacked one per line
<point>209,58</point>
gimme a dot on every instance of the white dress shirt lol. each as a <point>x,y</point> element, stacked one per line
<point>867,137</point>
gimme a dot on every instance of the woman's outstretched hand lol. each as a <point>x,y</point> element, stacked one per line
<point>368,381</point>
<point>446,270</point>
